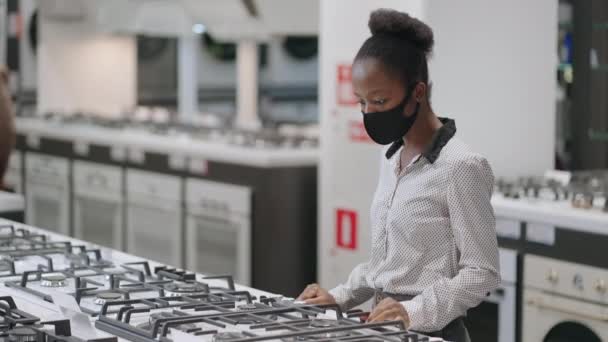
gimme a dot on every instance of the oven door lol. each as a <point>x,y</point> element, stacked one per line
<point>13,178</point>
<point>494,319</point>
<point>552,318</point>
<point>219,245</point>
<point>98,220</point>
<point>154,230</point>
<point>47,206</point>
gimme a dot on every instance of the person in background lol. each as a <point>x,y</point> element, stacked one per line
<point>434,253</point>
<point>7,126</point>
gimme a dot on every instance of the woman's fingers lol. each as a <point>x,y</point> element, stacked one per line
<point>380,307</point>
<point>309,292</point>
<point>317,300</point>
<point>386,315</point>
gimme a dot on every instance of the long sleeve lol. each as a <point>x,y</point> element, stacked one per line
<point>473,227</point>
<point>355,290</point>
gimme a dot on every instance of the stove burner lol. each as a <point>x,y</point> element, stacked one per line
<point>330,335</point>
<point>337,334</point>
<point>76,259</point>
<point>175,290</point>
<point>156,316</point>
<point>228,336</point>
<point>323,323</point>
<point>247,320</point>
<point>53,280</point>
<point>22,335</point>
<point>103,297</point>
<point>247,307</point>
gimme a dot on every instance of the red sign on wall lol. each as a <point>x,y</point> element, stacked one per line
<point>344,87</point>
<point>346,229</point>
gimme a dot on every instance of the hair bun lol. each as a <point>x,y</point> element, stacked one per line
<point>389,21</point>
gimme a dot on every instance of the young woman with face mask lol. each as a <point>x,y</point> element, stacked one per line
<point>7,127</point>
<point>434,252</point>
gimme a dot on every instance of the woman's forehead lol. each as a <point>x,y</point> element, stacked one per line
<point>371,74</point>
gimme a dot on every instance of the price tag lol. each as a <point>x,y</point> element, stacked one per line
<point>540,233</point>
<point>66,301</point>
<point>71,310</point>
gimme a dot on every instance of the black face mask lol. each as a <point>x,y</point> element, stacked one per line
<point>390,125</point>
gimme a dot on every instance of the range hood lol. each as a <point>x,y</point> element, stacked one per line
<point>226,20</point>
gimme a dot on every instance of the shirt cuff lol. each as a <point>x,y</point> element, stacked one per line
<point>341,296</point>
<point>414,313</point>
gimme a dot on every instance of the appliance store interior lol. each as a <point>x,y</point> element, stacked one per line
<point>304,170</point>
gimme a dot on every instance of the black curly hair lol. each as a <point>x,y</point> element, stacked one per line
<point>401,43</point>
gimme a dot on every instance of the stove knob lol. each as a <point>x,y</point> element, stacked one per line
<point>600,286</point>
<point>552,276</point>
<point>577,281</point>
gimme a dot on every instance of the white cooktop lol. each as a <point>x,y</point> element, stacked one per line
<point>83,326</point>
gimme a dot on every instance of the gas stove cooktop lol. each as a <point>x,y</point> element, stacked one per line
<point>262,138</point>
<point>584,191</point>
<point>17,325</point>
<point>145,301</point>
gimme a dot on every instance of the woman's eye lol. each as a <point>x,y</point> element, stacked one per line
<point>379,102</point>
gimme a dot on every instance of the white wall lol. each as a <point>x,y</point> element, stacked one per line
<point>349,168</point>
<point>81,69</point>
<point>494,72</point>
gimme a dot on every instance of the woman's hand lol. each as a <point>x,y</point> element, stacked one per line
<point>3,75</point>
<point>314,294</point>
<point>389,310</point>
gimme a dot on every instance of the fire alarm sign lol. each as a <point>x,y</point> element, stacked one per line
<point>344,88</point>
<point>346,229</point>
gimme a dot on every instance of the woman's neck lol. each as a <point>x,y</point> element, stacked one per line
<point>421,134</point>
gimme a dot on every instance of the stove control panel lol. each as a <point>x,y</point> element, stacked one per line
<point>566,278</point>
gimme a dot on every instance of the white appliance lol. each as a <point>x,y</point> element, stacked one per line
<point>13,178</point>
<point>154,216</point>
<point>11,203</point>
<point>98,203</point>
<point>47,186</point>
<point>495,318</point>
<point>564,301</point>
<point>218,229</point>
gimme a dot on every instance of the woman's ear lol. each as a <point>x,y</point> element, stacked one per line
<point>420,91</point>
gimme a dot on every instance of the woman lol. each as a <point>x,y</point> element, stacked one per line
<point>434,251</point>
<point>7,128</point>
